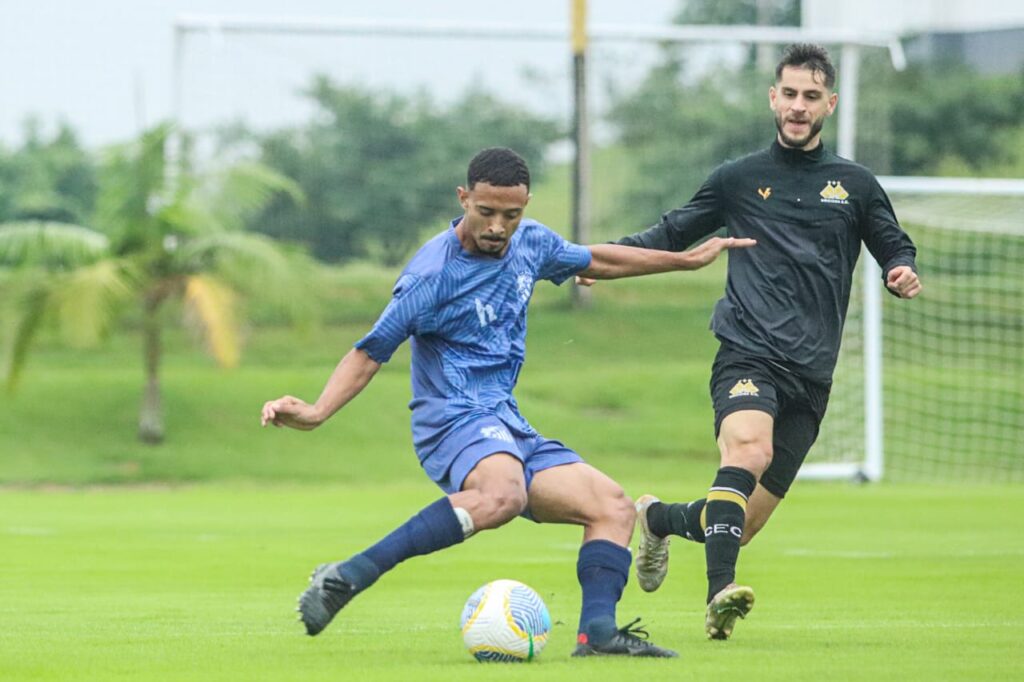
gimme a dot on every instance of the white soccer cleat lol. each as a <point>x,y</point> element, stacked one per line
<point>652,553</point>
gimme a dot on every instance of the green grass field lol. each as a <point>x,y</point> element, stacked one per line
<point>198,583</point>
<point>121,561</point>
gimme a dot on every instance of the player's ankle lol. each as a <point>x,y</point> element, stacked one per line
<point>599,630</point>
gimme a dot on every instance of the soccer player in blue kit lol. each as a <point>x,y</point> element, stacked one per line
<point>462,300</point>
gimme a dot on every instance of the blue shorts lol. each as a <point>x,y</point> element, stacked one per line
<point>465,445</point>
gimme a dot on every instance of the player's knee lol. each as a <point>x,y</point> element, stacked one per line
<point>614,508</point>
<point>621,509</point>
<point>754,455</point>
<point>501,506</point>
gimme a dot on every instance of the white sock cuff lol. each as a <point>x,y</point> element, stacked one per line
<point>465,520</point>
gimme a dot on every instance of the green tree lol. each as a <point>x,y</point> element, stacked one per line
<point>749,12</point>
<point>948,117</point>
<point>162,236</point>
<point>379,168</point>
<point>677,130</point>
<point>47,178</point>
<point>685,117</point>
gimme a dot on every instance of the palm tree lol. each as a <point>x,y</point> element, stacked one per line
<point>162,236</point>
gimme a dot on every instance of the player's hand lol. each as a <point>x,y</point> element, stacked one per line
<point>707,252</point>
<point>903,281</point>
<point>290,411</point>
<point>584,281</point>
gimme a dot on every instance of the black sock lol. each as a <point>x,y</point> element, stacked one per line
<point>724,515</point>
<point>677,519</point>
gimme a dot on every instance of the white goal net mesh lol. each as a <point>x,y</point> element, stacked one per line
<point>952,359</point>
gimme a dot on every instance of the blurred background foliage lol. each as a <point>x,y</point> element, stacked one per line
<point>242,228</point>
<point>378,169</point>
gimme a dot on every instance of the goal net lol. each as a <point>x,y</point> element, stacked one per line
<point>952,360</point>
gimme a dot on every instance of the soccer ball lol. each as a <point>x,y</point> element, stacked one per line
<point>505,621</point>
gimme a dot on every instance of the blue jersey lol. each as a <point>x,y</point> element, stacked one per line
<point>466,315</point>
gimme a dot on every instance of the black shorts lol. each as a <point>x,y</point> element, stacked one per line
<point>743,382</point>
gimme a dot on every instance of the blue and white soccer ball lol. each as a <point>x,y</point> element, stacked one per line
<point>505,621</point>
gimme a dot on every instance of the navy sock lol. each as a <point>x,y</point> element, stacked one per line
<point>677,519</point>
<point>602,569</point>
<point>434,528</point>
<point>724,516</point>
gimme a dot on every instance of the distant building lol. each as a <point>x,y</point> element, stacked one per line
<point>986,34</point>
<point>990,52</point>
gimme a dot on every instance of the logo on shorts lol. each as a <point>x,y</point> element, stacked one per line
<point>765,192</point>
<point>743,387</point>
<point>496,433</point>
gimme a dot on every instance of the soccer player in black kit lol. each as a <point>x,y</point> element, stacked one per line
<point>779,323</point>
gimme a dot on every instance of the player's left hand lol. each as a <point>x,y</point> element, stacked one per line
<point>903,281</point>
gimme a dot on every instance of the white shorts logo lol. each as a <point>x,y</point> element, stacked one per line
<point>496,433</point>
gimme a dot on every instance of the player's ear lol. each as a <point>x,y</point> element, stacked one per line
<point>771,97</point>
<point>832,99</point>
<point>463,194</point>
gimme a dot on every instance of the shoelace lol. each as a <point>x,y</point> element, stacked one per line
<point>337,589</point>
<point>657,549</point>
<point>636,634</point>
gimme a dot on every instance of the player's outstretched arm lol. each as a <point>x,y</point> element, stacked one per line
<point>611,261</point>
<point>349,378</point>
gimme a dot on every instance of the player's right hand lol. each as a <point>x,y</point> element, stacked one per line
<point>291,412</point>
<point>584,281</point>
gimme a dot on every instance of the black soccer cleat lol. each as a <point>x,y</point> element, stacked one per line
<point>627,641</point>
<point>328,593</point>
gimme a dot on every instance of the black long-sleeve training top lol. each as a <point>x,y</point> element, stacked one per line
<point>786,298</point>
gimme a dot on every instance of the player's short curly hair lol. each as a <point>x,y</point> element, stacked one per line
<point>808,56</point>
<point>498,166</point>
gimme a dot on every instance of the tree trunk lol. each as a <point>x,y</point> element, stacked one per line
<point>151,416</point>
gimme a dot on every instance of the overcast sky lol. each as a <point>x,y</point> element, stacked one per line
<point>105,66</point>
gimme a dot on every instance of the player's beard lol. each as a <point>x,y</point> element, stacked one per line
<point>492,247</point>
<point>798,142</point>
